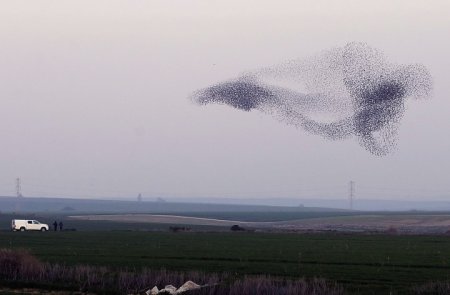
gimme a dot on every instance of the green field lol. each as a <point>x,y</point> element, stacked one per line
<point>85,225</point>
<point>369,264</point>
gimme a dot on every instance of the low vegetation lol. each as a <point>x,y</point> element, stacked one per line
<point>433,288</point>
<point>19,268</point>
<point>362,264</point>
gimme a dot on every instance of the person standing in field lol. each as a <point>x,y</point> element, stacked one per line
<point>60,225</point>
<point>55,225</point>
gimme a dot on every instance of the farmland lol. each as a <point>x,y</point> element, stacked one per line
<point>412,223</point>
<point>354,249</point>
<point>362,263</point>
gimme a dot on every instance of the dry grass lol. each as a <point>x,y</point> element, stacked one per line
<point>433,288</point>
<point>20,268</point>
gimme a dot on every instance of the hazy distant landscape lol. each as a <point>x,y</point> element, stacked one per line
<point>255,217</point>
<point>215,204</point>
<point>34,204</point>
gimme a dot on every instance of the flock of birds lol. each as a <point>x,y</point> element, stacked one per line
<point>342,92</point>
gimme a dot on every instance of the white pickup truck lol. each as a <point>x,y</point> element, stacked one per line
<point>25,224</point>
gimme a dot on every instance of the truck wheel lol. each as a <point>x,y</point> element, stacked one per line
<point>22,229</point>
<point>43,229</point>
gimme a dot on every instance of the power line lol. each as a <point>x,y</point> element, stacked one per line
<point>18,188</point>
<point>18,194</point>
<point>351,193</point>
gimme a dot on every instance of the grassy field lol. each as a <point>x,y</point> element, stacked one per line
<point>288,216</point>
<point>369,264</point>
<point>85,225</point>
<point>413,223</point>
<point>265,216</point>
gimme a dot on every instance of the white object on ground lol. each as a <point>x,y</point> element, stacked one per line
<point>169,289</point>
<point>153,291</point>
<point>189,285</point>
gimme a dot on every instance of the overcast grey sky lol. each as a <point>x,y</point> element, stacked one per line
<point>94,99</point>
